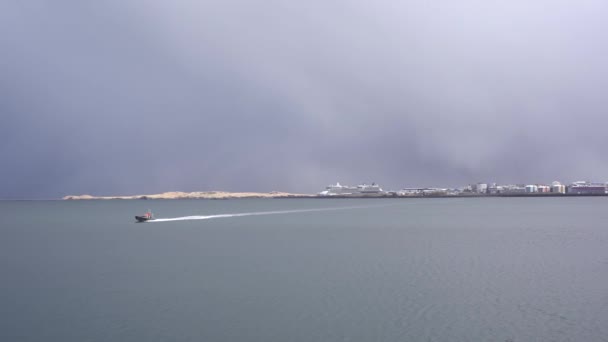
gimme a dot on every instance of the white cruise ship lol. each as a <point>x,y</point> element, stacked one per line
<point>359,190</point>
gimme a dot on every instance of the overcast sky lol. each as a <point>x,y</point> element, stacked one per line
<point>145,96</point>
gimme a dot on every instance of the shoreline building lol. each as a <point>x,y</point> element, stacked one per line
<point>493,189</point>
<point>355,191</point>
<point>587,188</point>
<point>558,188</point>
<point>531,189</point>
<point>480,188</point>
<point>544,188</point>
<point>512,189</point>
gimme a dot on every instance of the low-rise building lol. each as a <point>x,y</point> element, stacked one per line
<point>493,188</point>
<point>511,189</point>
<point>531,188</point>
<point>557,187</point>
<point>544,188</point>
<point>480,188</point>
<point>410,192</point>
<point>587,188</point>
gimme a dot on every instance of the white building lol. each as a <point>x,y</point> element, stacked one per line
<point>558,188</point>
<point>480,188</point>
<point>531,188</point>
<point>512,189</point>
<point>587,188</point>
<point>544,188</point>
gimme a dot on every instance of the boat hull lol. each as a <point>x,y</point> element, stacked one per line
<point>142,218</point>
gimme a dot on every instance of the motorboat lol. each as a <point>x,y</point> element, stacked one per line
<point>148,216</point>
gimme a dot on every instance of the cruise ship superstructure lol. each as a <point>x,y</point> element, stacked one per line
<point>355,191</point>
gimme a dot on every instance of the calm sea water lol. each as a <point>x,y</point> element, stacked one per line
<point>498,269</point>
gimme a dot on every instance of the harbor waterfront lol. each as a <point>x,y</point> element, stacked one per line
<point>475,269</point>
<point>580,188</point>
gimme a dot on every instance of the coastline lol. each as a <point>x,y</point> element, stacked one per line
<point>217,195</point>
<point>192,195</point>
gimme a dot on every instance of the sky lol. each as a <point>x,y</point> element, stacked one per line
<point>133,97</point>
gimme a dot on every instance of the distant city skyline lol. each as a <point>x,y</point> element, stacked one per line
<point>129,97</point>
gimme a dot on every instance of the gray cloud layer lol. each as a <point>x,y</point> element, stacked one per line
<point>148,96</point>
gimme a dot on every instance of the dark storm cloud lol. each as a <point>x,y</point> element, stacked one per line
<point>149,96</point>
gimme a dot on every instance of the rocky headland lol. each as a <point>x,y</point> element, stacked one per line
<point>193,195</point>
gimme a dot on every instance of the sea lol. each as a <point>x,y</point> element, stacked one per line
<point>424,269</point>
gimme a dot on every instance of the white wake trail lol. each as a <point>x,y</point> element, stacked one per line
<point>278,212</point>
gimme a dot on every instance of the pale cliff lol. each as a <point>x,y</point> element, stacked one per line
<point>193,195</point>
